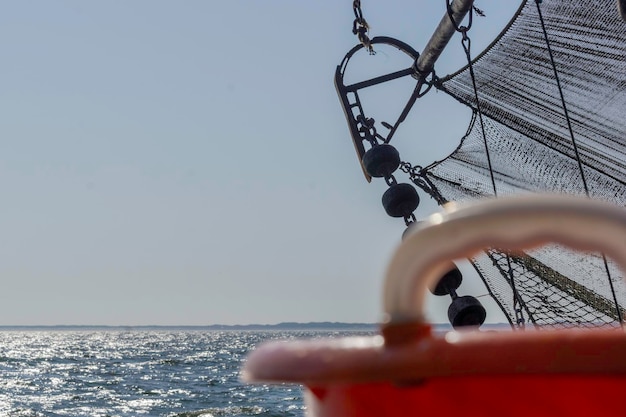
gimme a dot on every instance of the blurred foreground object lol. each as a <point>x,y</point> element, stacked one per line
<point>408,369</point>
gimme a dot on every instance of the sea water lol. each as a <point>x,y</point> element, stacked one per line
<point>139,373</point>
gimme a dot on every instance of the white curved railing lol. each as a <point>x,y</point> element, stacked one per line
<point>513,223</point>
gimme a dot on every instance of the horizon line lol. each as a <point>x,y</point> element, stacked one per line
<point>287,324</point>
<point>283,323</point>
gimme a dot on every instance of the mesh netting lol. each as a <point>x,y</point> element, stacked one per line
<point>532,150</point>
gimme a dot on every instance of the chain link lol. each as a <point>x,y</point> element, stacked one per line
<point>391,180</point>
<point>360,27</point>
<point>409,169</point>
<point>368,129</point>
<point>463,29</point>
<point>409,220</point>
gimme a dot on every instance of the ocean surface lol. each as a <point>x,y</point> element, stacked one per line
<point>140,373</point>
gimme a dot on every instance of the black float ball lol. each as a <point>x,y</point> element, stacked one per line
<point>381,160</point>
<point>466,311</point>
<point>449,282</point>
<point>400,200</point>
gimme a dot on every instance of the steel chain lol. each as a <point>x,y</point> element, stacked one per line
<point>409,220</point>
<point>415,173</point>
<point>368,129</point>
<point>360,27</point>
<point>463,29</point>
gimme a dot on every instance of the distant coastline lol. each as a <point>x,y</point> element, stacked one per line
<point>278,326</point>
<point>285,326</point>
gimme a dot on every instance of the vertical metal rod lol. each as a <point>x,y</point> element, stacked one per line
<point>442,35</point>
<point>621,7</point>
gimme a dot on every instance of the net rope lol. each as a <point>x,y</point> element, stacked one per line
<point>531,149</point>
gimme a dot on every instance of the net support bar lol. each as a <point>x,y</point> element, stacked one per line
<point>442,35</point>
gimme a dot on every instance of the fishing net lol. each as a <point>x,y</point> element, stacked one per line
<point>533,147</point>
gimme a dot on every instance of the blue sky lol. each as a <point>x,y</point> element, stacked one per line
<point>188,162</point>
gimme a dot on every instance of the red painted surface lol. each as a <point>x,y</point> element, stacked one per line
<point>504,395</point>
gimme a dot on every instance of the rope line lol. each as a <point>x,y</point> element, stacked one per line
<point>575,146</point>
<point>466,42</point>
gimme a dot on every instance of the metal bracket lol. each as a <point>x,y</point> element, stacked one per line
<point>360,128</point>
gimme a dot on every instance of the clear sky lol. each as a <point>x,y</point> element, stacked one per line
<point>187,162</point>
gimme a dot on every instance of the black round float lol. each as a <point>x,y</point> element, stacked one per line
<point>466,311</point>
<point>381,160</point>
<point>400,200</point>
<point>448,283</point>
